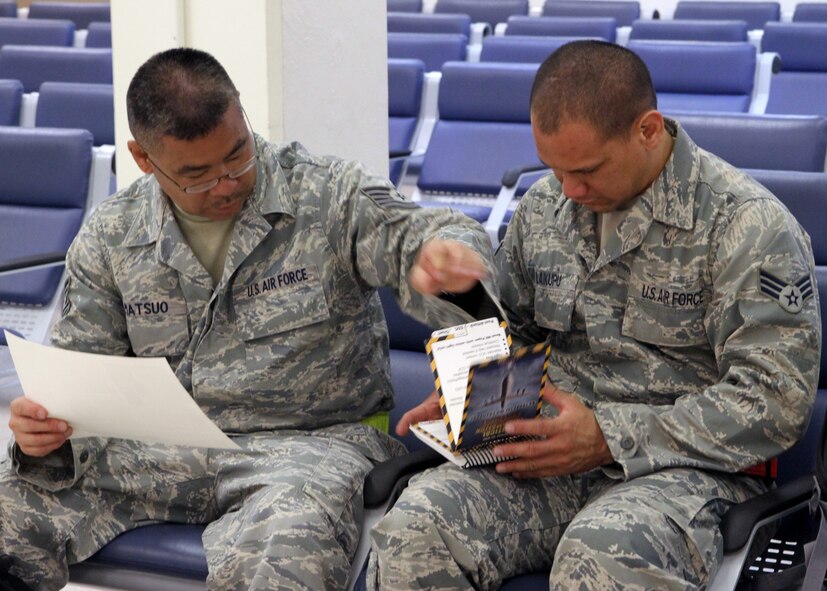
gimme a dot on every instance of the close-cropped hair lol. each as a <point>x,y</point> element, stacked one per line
<point>182,92</point>
<point>595,82</point>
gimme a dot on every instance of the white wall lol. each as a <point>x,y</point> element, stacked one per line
<point>306,71</point>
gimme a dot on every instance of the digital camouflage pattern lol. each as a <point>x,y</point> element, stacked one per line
<point>693,367</point>
<point>288,353</point>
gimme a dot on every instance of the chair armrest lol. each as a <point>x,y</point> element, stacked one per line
<point>509,182</point>
<point>512,175</point>
<point>390,477</point>
<point>738,523</point>
<point>30,263</point>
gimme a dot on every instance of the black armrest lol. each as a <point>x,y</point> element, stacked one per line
<point>740,520</point>
<point>394,154</point>
<point>24,263</point>
<point>382,482</point>
<point>512,175</point>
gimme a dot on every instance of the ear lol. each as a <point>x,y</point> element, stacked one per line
<point>651,128</point>
<point>140,156</point>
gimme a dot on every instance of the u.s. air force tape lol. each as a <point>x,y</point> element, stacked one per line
<point>790,296</point>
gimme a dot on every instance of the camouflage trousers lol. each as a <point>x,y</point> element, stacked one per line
<point>284,513</point>
<point>471,529</point>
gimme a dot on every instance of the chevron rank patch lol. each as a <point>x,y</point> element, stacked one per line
<point>384,197</point>
<point>790,296</point>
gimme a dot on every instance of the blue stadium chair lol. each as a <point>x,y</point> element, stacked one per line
<point>33,65</point>
<point>80,13</point>
<point>625,12</point>
<point>403,22</point>
<point>710,76</point>
<point>99,35</point>
<point>11,96</point>
<point>44,186</point>
<point>490,12</point>
<point>768,142</point>
<point>483,131</point>
<point>690,30</point>
<point>521,49</point>
<point>405,84</point>
<point>595,27</point>
<point>434,49</point>
<point>404,5</point>
<point>21,31</point>
<point>810,12</point>
<point>78,105</point>
<point>756,14</point>
<point>800,87</point>
<point>8,9</point>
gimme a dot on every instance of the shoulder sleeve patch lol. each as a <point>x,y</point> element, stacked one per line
<point>388,198</point>
<point>790,296</point>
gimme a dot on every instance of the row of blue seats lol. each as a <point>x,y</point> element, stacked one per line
<point>755,13</point>
<point>483,130</point>
<point>82,14</point>
<point>61,33</point>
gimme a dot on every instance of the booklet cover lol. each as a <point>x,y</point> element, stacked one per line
<point>481,387</point>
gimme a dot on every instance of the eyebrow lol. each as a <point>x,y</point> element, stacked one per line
<point>582,170</point>
<point>190,169</point>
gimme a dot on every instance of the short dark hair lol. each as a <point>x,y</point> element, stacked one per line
<point>595,82</point>
<point>181,92</point>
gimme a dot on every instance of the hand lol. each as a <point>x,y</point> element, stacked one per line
<point>428,410</point>
<point>572,441</point>
<point>446,265</point>
<point>35,433</point>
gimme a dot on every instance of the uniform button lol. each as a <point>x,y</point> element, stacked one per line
<point>84,455</point>
<point>627,443</point>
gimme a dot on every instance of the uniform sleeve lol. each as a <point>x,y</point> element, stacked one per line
<point>378,232</point>
<point>92,321</point>
<point>764,326</point>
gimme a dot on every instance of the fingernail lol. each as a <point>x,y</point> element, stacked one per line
<point>41,415</point>
<point>509,428</point>
<point>62,427</point>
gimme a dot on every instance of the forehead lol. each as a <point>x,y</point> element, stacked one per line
<point>215,145</point>
<point>573,146</point>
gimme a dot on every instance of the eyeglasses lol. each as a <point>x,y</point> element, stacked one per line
<point>213,183</point>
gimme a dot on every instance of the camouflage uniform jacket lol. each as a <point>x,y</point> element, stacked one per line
<point>694,335</point>
<point>293,335</point>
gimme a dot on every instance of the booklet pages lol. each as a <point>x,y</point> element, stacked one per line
<point>480,387</point>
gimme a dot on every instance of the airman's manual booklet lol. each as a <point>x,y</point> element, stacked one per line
<point>481,385</point>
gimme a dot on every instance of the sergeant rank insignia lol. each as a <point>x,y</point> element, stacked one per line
<point>790,296</point>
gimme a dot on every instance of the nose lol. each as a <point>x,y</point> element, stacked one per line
<point>225,187</point>
<point>573,187</point>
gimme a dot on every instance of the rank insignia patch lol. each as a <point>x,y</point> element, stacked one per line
<point>790,296</point>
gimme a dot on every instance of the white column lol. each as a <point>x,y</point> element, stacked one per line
<point>315,71</point>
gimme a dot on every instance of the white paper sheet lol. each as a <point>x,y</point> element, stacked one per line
<point>111,396</point>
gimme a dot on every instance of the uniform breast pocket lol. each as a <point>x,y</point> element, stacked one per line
<point>286,310</point>
<point>553,307</point>
<point>665,325</point>
<point>157,328</point>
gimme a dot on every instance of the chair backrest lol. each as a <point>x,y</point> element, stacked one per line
<point>801,85</point>
<point>483,129</point>
<point>711,77</point>
<point>770,142</point>
<point>21,31</point>
<point>405,82</point>
<point>80,13</point>
<point>406,22</point>
<point>483,12</point>
<point>690,30</point>
<point>99,35</point>
<point>597,27</point>
<point>44,179</point>
<point>810,12</point>
<point>78,105</point>
<point>433,49</point>
<point>521,49</point>
<point>11,96</point>
<point>34,65</point>
<point>623,11</point>
<point>756,14</point>
<point>8,9</point>
<point>404,5</point>
<point>410,371</point>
